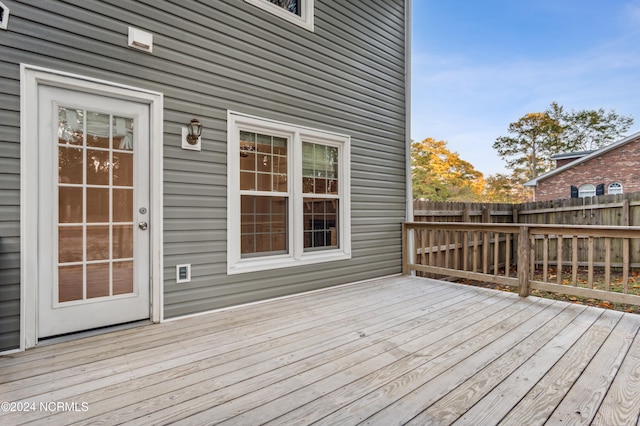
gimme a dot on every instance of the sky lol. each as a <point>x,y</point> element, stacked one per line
<point>478,66</point>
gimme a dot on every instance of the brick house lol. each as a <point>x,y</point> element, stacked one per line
<point>613,169</point>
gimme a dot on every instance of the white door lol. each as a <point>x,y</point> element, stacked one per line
<point>93,218</point>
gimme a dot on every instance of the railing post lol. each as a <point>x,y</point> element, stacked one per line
<point>524,254</point>
<point>405,251</point>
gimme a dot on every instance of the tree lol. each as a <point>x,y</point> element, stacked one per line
<point>538,136</point>
<point>502,188</point>
<point>589,129</point>
<point>535,138</point>
<point>441,175</point>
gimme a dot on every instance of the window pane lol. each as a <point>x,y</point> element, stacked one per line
<point>292,6</point>
<point>320,223</point>
<point>263,162</point>
<point>69,205</point>
<point>263,224</point>
<point>319,169</point>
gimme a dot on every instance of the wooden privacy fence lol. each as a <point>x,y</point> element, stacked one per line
<point>526,256</point>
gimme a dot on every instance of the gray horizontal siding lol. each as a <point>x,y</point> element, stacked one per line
<point>208,57</point>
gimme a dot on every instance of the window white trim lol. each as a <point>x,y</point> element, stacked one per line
<point>305,20</point>
<point>615,188</point>
<point>296,255</point>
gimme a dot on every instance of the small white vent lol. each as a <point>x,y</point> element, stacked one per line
<point>140,40</point>
<point>4,16</point>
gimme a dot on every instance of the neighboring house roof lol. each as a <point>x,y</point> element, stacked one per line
<point>588,156</point>
<point>569,155</point>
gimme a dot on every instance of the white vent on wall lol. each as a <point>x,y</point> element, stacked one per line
<point>141,40</point>
<point>4,16</point>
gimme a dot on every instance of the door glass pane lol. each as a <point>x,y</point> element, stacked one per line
<point>70,244</point>
<point>122,205</point>
<point>98,280</point>
<point>97,130</point>
<point>70,165</point>
<point>70,281</point>
<point>97,167</point>
<point>122,277</point>
<point>122,133</point>
<point>70,126</point>
<point>122,241</point>
<point>97,205</point>
<point>97,242</point>
<point>122,169</point>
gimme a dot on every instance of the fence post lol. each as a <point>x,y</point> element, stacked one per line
<point>524,254</point>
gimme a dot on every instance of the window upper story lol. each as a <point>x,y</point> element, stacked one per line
<point>299,12</point>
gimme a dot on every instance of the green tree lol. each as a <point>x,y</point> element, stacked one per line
<point>533,139</point>
<point>537,136</point>
<point>439,174</point>
<point>589,129</point>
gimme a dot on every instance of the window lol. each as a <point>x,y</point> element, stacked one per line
<point>587,190</point>
<point>299,12</point>
<point>614,188</point>
<point>288,195</point>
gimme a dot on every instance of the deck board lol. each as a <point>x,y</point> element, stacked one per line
<point>398,350</point>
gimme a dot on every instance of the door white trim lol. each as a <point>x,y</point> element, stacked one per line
<point>30,78</point>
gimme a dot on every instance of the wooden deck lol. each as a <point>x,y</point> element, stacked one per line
<point>400,350</point>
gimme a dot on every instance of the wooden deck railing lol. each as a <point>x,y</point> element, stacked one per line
<point>506,254</point>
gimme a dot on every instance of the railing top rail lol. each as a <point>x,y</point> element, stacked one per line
<point>589,230</point>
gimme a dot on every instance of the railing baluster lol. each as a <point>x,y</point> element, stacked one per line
<point>496,252</point>
<point>447,236</point>
<point>590,263</point>
<point>485,252</point>
<point>545,258</point>
<point>574,261</point>
<point>559,260</point>
<point>625,265</point>
<point>507,256</point>
<point>607,264</point>
<point>476,247</point>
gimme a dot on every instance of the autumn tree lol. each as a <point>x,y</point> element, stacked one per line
<point>439,174</point>
<point>503,188</point>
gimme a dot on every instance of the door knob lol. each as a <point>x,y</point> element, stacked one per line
<point>143,226</point>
